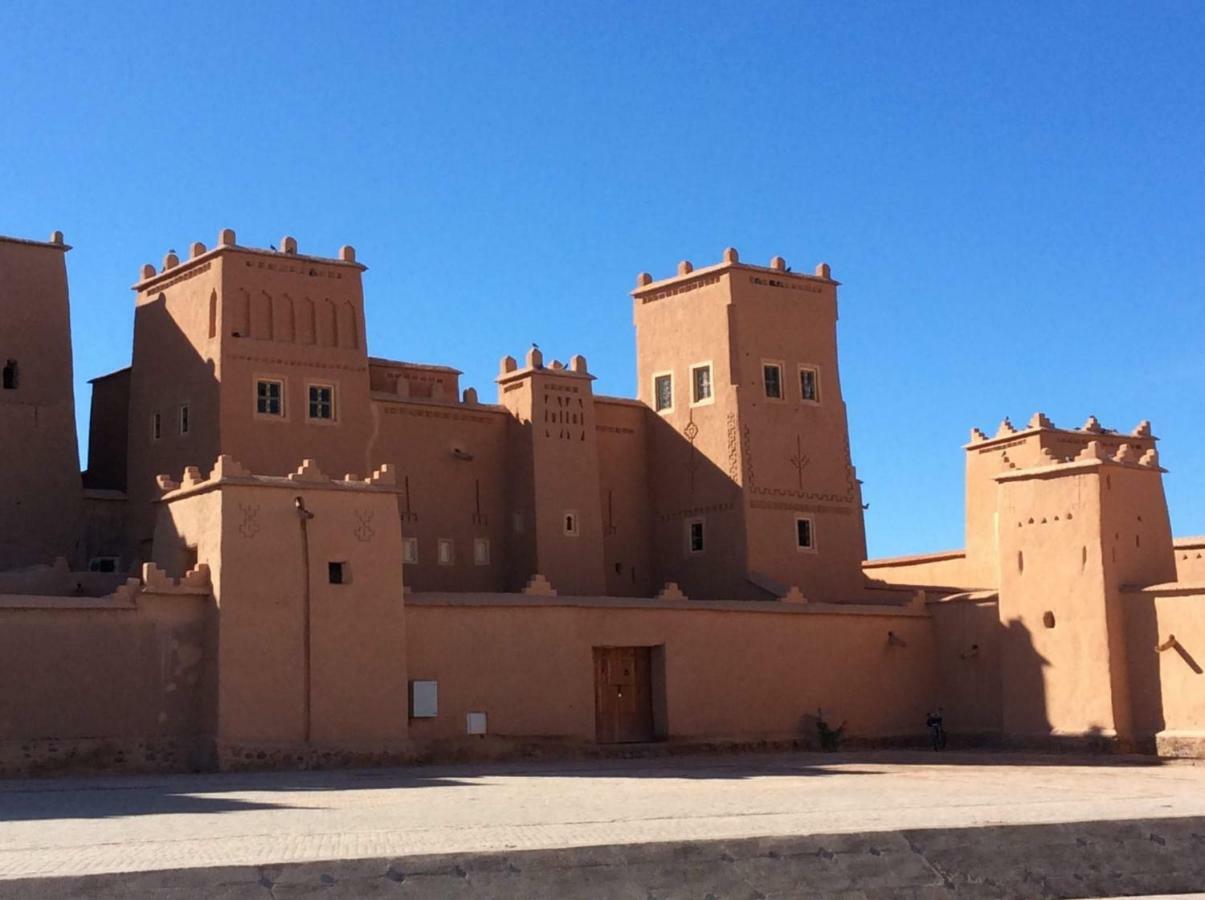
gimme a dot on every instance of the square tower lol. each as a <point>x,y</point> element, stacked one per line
<point>750,465</point>
<point>40,487</point>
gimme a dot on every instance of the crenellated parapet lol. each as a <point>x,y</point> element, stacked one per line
<point>229,471</point>
<point>198,253</point>
<point>687,273</point>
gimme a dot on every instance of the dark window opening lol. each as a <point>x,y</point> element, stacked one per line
<point>663,392</point>
<point>322,402</point>
<point>696,537</point>
<point>336,573</point>
<point>267,398</point>
<point>803,533</point>
<point>772,376</point>
<point>10,375</point>
<point>808,388</point>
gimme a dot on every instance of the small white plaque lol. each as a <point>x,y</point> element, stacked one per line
<point>424,699</point>
<point>475,723</point>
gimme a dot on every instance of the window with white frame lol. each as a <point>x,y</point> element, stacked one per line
<point>184,418</point>
<point>771,374</point>
<point>809,384</point>
<point>700,384</point>
<point>663,392</point>
<point>481,551</point>
<point>694,536</point>
<point>269,397</point>
<point>321,402</point>
<point>805,535</point>
<point>447,552</point>
<point>410,551</point>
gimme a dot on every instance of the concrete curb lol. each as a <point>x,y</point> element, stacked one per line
<point>1089,859</point>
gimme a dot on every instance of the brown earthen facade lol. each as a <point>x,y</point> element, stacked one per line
<point>444,575</point>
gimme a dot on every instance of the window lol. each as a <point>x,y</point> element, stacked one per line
<point>809,384</point>
<point>570,522</point>
<point>10,375</point>
<point>322,401</point>
<point>410,551</point>
<point>663,392</point>
<point>447,552</point>
<point>269,398</point>
<point>694,536</point>
<point>700,384</point>
<point>771,374</point>
<point>481,551</point>
<point>336,572</point>
<point>102,564</point>
<point>156,426</point>
<point>184,418</point>
<point>804,538</point>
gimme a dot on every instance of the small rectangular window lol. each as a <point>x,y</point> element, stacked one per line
<point>410,551</point>
<point>700,384</point>
<point>694,535</point>
<point>269,398</point>
<point>322,402</point>
<point>772,379</point>
<point>804,538</point>
<point>156,426</point>
<point>10,375</point>
<point>481,551</point>
<point>337,572</point>
<point>447,552</point>
<point>102,564</point>
<point>809,384</point>
<point>571,524</point>
<point>663,392</point>
<point>184,423</point>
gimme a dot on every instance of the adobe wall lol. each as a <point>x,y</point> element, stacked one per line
<point>731,670</point>
<point>943,569</point>
<point>452,469</point>
<point>108,431</point>
<point>308,662</point>
<point>968,637</point>
<point>1190,559</point>
<point>1165,627</point>
<point>111,683</point>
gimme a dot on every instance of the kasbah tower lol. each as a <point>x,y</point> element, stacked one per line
<point>39,475</point>
<point>751,442</point>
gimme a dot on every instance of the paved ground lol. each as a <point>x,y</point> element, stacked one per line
<point>72,827</point>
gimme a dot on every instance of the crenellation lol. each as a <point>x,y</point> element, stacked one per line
<point>1040,420</point>
<point>1006,428</point>
<point>170,260</point>
<point>196,249</point>
<point>1092,425</point>
<point>288,244</point>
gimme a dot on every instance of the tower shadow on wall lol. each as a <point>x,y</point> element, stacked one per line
<point>161,346</point>
<point>679,469</point>
<point>1023,688</point>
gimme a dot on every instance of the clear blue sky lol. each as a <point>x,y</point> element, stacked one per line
<point>1012,195</point>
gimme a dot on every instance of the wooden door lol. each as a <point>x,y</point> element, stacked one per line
<point>623,695</point>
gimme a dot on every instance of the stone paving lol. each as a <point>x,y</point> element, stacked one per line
<point>80,826</point>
